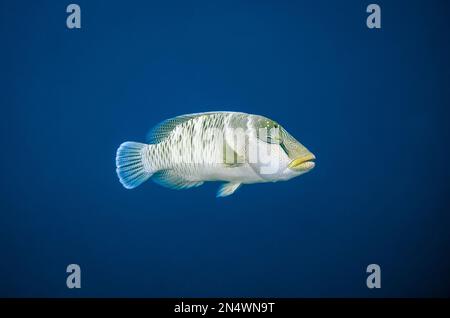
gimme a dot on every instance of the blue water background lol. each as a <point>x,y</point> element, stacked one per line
<point>373,105</point>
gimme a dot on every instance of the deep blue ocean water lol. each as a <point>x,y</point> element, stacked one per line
<point>373,105</point>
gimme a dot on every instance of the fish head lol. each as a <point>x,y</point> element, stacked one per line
<point>289,157</point>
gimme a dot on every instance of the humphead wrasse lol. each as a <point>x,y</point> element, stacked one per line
<point>236,148</point>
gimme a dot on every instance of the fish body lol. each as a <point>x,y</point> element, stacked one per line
<point>236,148</point>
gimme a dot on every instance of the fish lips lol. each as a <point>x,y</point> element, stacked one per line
<point>303,164</point>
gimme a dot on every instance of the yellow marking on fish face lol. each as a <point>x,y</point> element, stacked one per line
<point>304,163</point>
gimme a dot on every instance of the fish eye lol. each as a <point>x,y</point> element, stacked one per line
<point>266,131</point>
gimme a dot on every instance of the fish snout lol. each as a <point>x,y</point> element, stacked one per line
<point>304,163</point>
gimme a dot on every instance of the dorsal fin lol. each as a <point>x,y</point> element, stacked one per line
<point>163,129</point>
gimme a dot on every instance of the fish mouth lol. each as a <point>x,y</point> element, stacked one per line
<point>304,163</point>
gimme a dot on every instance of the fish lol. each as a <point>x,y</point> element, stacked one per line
<point>234,148</point>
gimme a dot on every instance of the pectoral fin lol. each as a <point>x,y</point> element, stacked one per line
<point>227,189</point>
<point>231,158</point>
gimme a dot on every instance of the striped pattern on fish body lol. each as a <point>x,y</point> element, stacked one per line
<point>188,150</point>
<point>194,150</point>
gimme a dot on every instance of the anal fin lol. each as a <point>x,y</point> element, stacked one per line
<point>169,179</point>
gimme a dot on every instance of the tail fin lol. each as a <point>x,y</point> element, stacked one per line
<point>130,166</point>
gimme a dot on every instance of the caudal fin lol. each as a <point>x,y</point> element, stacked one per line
<point>130,166</point>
